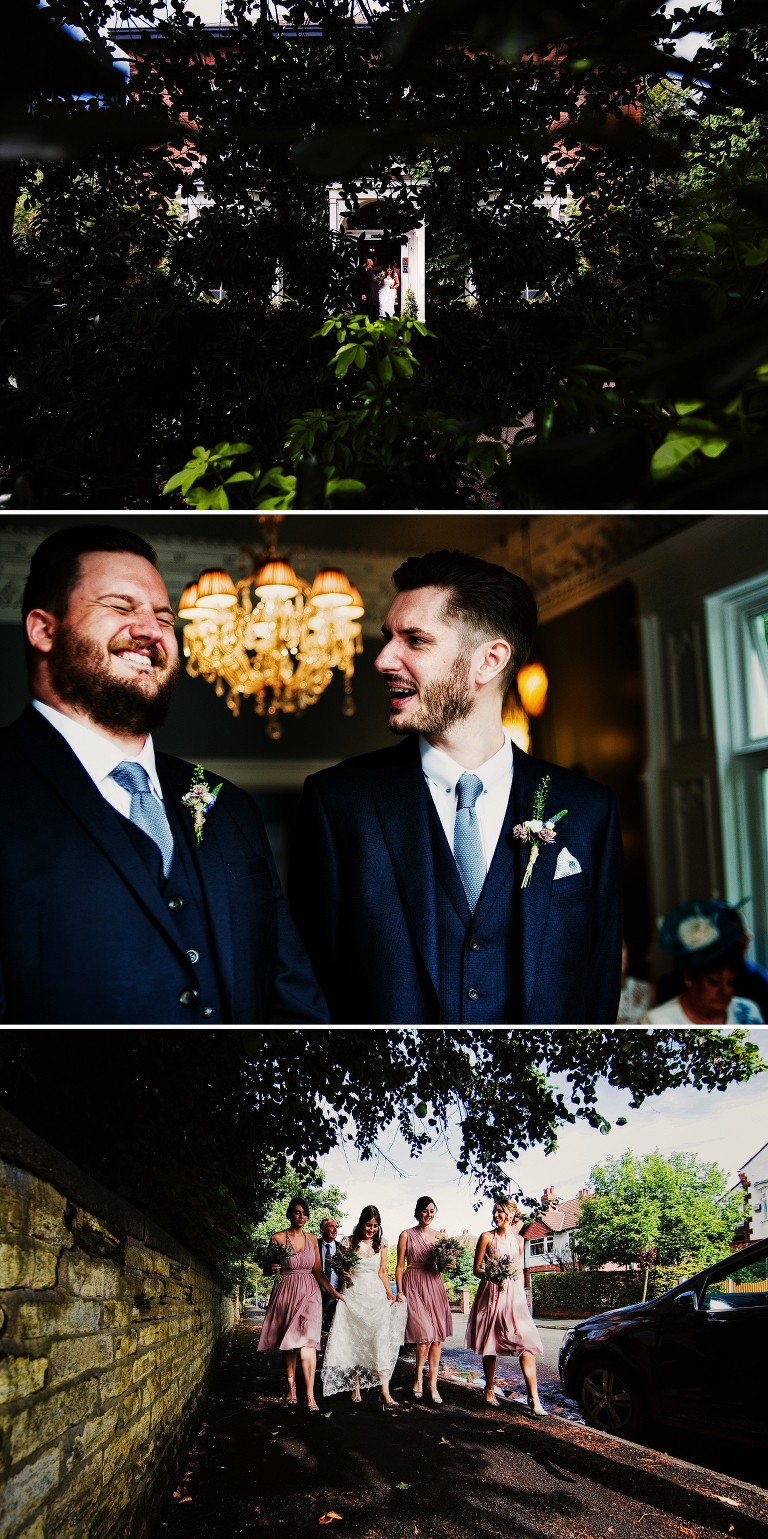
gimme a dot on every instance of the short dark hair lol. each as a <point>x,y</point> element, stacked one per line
<point>484,596</point>
<point>55,565</point>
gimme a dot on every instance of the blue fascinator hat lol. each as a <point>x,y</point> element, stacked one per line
<point>695,934</point>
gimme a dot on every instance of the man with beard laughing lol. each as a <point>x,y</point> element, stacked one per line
<point>435,882</point>
<point>111,910</point>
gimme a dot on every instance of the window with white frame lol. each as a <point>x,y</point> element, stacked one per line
<point>737,633</point>
<point>543,1247</point>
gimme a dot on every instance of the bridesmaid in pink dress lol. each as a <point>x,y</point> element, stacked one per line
<point>429,1315</point>
<point>500,1322</point>
<point>294,1314</point>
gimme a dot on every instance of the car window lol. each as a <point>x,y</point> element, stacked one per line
<point>746,1287</point>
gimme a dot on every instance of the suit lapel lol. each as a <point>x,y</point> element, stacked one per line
<point>400,797</point>
<point>56,763</point>
<point>209,860</point>
<point>531,905</point>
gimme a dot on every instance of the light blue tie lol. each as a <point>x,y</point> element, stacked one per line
<point>146,811</point>
<point>467,843</point>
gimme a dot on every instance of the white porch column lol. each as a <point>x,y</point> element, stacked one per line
<point>416,274</point>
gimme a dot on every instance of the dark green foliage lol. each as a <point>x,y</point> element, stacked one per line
<point>122,360</point>
<point>586,1293</point>
<point>196,1127</point>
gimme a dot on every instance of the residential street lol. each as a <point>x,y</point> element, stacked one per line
<point>427,1473</point>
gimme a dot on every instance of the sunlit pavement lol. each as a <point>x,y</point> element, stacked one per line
<point>430,1473</point>
<point>459,1365</point>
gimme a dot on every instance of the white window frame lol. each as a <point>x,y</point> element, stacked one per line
<point>739,757</point>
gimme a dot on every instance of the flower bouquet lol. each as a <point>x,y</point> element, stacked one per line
<point>496,1269</point>
<point>344,1261</point>
<point>445,1254</point>
<point>271,1255</point>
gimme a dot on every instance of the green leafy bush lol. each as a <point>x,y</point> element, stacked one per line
<point>585,1293</point>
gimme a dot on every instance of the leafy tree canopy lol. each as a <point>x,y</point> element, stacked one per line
<point>196,1128</point>
<point>628,336</point>
<point>323,1202</point>
<point>650,1210</point>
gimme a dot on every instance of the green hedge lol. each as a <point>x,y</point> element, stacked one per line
<point>590,1292</point>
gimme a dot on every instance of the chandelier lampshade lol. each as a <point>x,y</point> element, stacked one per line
<point>216,590</point>
<point>271,636</point>
<point>331,589</point>
<point>187,602</point>
<point>276,580</point>
<point>356,609</point>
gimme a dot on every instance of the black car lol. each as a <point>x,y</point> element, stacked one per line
<point>696,1358</point>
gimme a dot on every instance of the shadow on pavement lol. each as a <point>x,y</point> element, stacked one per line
<point>428,1473</point>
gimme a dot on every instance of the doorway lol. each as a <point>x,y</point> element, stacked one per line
<point>372,225</point>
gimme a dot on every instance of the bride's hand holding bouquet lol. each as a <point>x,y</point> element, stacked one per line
<point>345,1259</point>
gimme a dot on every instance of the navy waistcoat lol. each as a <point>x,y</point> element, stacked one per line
<point>183,894</point>
<point>478,977</point>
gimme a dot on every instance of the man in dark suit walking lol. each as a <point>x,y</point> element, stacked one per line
<point>112,909</point>
<point>327,1248</point>
<point>454,879</point>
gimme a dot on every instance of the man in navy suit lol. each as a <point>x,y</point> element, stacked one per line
<point>111,910</point>
<point>407,884</point>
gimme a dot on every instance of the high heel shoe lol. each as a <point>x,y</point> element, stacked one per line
<point>537,1411</point>
<point>389,1405</point>
<point>435,1398</point>
<point>418,1394</point>
<point>291,1399</point>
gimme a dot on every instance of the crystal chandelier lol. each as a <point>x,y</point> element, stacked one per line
<point>271,635</point>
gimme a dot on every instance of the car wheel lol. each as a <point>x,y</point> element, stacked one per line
<point>610,1399</point>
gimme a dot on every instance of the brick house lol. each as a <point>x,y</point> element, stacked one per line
<point>548,1238</point>
<point>753,1187</point>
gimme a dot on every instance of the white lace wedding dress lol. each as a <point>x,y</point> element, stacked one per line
<point>366,1334</point>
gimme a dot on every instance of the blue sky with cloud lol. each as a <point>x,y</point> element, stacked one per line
<point>726,1127</point>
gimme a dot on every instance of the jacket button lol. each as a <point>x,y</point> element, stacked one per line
<point>175,902</point>
<point>208,1011</point>
<point>472,994</point>
<point>194,956</point>
<point>474,945</point>
<point>187,996</point>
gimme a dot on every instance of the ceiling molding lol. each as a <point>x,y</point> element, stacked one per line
<point>568,557</point>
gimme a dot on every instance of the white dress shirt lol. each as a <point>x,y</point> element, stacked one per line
<point>442,775</point>
<point>328,1247</point>
<point>99,757</point>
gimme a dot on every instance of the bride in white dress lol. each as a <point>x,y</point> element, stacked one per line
<point>369,1326</point>
<point>388,294</point>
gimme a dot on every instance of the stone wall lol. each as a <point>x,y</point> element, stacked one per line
<point>107,1332</point>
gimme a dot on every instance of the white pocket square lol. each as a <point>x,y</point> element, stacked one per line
<point>567,865</point>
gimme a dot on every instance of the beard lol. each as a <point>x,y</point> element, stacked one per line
<point>442,703</point>
<point>80,675</point>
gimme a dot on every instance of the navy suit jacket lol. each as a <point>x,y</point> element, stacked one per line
<point>362,888</point>
<point>85,934</point>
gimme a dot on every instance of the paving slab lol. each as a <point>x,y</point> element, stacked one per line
<point>430,1473</point>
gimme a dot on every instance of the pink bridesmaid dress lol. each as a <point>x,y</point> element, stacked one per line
<point>429,1314</point>
<point>294,1314</point>
<point>500,1323</point>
